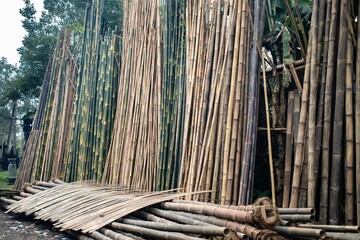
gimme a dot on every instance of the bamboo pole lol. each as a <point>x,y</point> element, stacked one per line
<point>173,227</point>
<point>289,150</point>
<point>272,178</point>
<point>332,228</point>
<point>335,180</point>
<point>357,121</point>
<point>349,136</point>
<point>311,189</point>
<point>328,115</point>
<point>146,232</point>
<point>300,139</point>
<point>300,232</point>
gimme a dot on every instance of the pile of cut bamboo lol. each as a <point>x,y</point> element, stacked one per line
<point>178,219</point>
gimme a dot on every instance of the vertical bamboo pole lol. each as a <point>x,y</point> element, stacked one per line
<point>349,135</point>
<point>357,122</point>
<point>312,106</point>
<point>335,181</point>
<point>289,150</point>
<point>272,178</point>
<point>301,133</point>
<point>324,195</point>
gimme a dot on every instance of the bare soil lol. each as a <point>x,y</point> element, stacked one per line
<point>20,227</point>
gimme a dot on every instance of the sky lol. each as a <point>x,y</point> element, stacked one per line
<point>11,30</point>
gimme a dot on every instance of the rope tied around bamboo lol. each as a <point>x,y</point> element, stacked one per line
<point>265,216</point>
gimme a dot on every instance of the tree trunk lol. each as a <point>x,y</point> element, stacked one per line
<point>12,130</point>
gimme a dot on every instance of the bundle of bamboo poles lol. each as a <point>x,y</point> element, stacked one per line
<point>172,93</point>
<point>43,155</point>
<point>134,150</point>
<point>74,121</point>
<point>324,154</point>
<point>95,104</point>
<point>216,98</point>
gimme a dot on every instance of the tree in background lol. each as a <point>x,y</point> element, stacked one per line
<point>41,36</point>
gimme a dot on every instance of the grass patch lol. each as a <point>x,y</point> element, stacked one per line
<point>4,180</point>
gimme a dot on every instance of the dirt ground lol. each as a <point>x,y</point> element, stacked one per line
<point>20,227</point>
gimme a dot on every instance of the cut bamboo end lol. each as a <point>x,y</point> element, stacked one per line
<point>266,216</point>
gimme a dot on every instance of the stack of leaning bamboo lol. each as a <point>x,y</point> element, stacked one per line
<point>324,165</point>
<point>93,118</point>
<point>43,155</point>
<point>132,158</point>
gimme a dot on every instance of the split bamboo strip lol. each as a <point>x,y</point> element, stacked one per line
<point>79,207</point>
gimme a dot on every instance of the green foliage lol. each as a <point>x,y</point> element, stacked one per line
<point>4,180</point>
<point>285,18</point>
<point>7,72</point>
<point>41,36</point>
